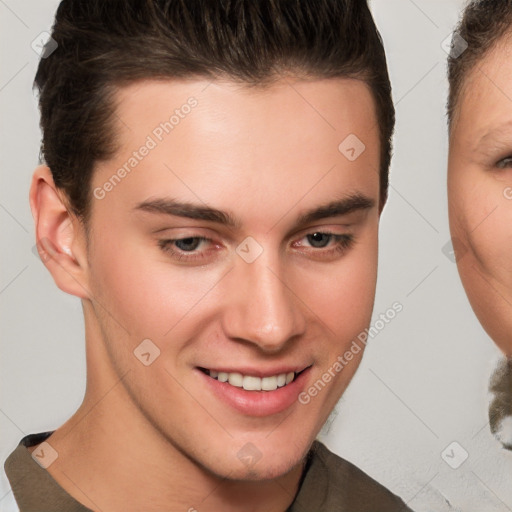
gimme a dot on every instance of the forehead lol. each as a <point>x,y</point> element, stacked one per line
<point>323,104</point>
<point>486,97</point>
<point>221,141</point>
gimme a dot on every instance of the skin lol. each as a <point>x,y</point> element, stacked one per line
<point>159,428</point>
<point>479,193</point>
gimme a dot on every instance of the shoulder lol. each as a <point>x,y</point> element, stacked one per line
<point>32,486</point>
<point>331,483</point>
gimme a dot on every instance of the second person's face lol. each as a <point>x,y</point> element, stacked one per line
<point>480,191</point>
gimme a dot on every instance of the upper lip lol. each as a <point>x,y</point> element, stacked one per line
<point>257,372</point>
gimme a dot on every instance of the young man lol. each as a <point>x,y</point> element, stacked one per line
<point>214,178</point>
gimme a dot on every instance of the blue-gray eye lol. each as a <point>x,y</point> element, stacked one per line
<point>188,244</point>
<point>505,163</point>
<point>319,239</point>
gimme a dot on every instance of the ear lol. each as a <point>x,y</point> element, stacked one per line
<point>59,234</point>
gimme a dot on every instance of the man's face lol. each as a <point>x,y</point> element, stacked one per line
<point>271,293</point>
<point>480,192</point>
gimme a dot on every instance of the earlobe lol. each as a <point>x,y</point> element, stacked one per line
<point>60,241</point>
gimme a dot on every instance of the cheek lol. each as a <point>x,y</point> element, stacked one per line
<point>481,219</point>
<point>144,292</point>
<point>342,294</point>
<point>491,246</point>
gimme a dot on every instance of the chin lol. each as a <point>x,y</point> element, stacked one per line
<point>261,471</point>
<point>254,465</point>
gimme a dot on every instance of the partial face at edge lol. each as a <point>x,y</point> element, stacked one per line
<point>480,192</point>
<point>266,157</point>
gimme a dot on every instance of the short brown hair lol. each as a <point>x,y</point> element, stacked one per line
<point>104,44</point>
<point>482,25</point>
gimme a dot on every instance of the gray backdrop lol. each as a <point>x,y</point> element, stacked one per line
<point>423,382</point>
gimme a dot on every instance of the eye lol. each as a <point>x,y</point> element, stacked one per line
<point>324,244</point>
<point>186,248</point>
<point>188,244</point>
<point>505,163</point>
<point>319,240</point>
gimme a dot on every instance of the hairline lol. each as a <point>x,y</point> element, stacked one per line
<point>503,38</point>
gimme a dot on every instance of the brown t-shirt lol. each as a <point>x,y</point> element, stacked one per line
<point>329,484</point>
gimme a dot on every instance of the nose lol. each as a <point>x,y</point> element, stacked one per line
<point>261,307</point>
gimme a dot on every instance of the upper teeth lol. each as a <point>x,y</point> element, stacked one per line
<point>250,383</point>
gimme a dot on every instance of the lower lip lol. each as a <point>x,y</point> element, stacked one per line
<point>257,403</point>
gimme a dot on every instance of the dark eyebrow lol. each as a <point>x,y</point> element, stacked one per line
<point>169,206</point>
<point>349,204</point>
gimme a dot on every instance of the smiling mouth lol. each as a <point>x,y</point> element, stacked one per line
<point>252,383</point>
